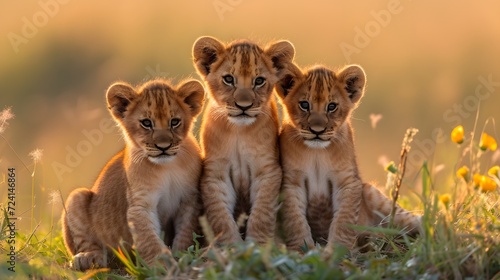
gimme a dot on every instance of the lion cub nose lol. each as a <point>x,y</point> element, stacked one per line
<point>243,99</point>
<point>243,105</point>
<point>317,129</point>
<point>163,146</point>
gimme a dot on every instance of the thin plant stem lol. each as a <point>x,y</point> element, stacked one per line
<point>410,133</point>
<point>33,196</point>
<point>15,153</point>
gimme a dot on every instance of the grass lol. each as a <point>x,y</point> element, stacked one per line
<point>460,239</point>
<point>449,248</point>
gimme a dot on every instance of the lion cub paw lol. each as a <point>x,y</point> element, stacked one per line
<point>87,260</point>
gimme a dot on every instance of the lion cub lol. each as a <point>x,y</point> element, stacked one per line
<point>148,189</point>
<point>322,188</point>
<point>239,135</point>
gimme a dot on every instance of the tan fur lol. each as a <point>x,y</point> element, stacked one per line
<point>148,189</point>
<point>239,135</point>
<point>323,191</point>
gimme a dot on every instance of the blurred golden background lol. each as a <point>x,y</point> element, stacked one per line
<point>430,65</point>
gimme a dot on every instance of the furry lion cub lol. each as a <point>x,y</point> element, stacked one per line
<point>239,135</point>
<point>322,188</point>
<point>148,189</point>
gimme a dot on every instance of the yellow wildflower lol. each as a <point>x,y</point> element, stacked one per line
<point>476,179</point>
<point>457,134</point>
<point>463,172</point>
<point>391,167</point>
<point>445,199</point>
<point>494,171</point>
<point>487,184</point>
<point>487,142</point>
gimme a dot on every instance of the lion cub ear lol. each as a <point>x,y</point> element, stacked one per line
<point>291,76</point>
<point>193,94</point>
<point>119,96</point>
<point>281,54</point>
<point>206,50</point>
<point>354,79</point>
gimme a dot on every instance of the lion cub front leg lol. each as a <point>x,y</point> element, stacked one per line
<point>79,234</point>
<point>347,202</point>
<point>264,197</point>
<point>294,209</point>
<point>145,226</point>
<point>219,199</point>
<point>186,223</point>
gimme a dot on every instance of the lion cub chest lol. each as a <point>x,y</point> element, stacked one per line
<point>173,187</point>
<point>319,181</point>
<point>241,162</point>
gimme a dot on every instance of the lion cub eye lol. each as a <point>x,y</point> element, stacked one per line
<point>175,122</point>
<point>146,123</point>
<point>304,105</point>
<point>228,79</point>
<point>332,107</point>
<point>259,82</point>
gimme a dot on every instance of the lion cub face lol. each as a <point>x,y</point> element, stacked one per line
<point>155,117</point>
<point>241,75</point>
<point>320,101</point>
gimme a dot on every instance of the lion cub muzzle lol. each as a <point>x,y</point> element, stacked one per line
<point>244,111</point>
<point>317,123</point>
<point>317,136</point>
<point>164,148</point>
<point>244,99</point>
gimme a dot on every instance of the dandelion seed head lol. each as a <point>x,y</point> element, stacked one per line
<point>5,116</point>
<point>36,155</point>
<point>54,197</point>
